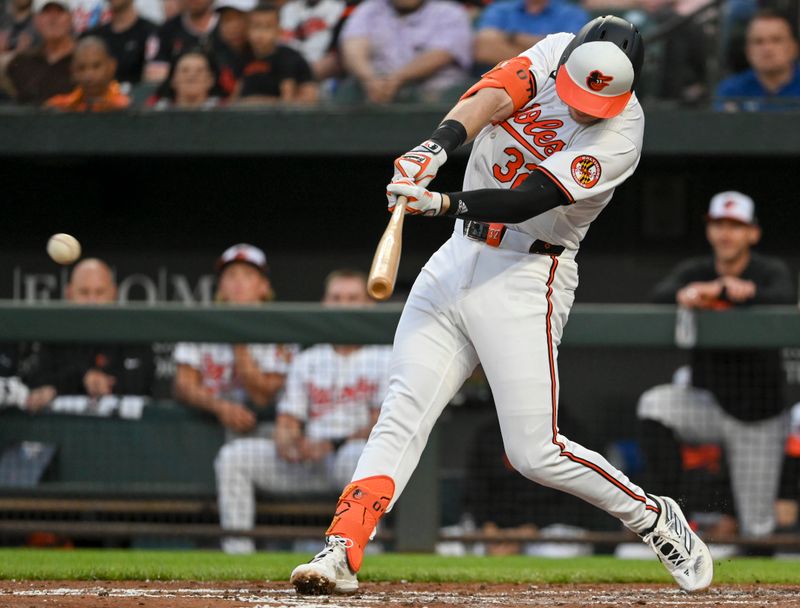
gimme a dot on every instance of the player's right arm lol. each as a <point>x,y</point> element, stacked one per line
<point>499,93</point>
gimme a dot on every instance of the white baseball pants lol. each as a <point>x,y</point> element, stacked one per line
<point>506,309</point>
<point>754,450</point>
<point>244,465</point>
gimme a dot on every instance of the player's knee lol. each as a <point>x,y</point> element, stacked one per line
<point>227,460</point>
<point>536,465</point>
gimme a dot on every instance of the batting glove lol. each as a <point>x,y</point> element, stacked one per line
<point>420,200</point>
<point>420,164</point>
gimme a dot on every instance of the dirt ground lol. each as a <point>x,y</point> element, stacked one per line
<point>182,594</point>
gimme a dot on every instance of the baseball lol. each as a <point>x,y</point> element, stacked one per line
<point>63,248</point>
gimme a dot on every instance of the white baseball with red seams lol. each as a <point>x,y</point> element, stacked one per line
<point>506,308</point>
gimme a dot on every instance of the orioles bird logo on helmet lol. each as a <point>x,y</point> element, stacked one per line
<point>597,81</point>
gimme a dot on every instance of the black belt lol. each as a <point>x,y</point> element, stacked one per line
<point>480,232</point>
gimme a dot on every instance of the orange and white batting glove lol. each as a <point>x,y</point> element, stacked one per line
<point>420,164</point>
<point>420,200</point>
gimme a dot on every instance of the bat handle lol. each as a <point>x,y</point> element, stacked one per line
<point>383,274</point>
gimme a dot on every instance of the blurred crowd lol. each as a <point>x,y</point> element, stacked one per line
<point>105,55</point>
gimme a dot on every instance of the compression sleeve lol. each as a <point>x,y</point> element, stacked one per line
<point>537,194</point>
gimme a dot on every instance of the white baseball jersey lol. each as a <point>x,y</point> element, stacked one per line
<point>333,393</point>
<point>308,27</point>
<point>506,308</point>
<point>215,364</point>
<point>587,162</point>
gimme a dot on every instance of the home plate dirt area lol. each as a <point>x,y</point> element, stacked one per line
<point>183,594</point>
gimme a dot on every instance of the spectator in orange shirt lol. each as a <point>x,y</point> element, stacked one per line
<point>93,70</point>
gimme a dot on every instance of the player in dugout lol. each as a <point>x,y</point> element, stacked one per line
<point>324,417</point>
<point>734,397</point>
<point>556,130</point>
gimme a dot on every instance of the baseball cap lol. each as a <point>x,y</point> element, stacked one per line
<point>598,69</point>
<point>38,5</point>
<point>732,205</point>
<point>242,252</point>
<point>243,6</point>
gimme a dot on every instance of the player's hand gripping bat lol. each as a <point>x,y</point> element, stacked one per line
<point>383,274</point>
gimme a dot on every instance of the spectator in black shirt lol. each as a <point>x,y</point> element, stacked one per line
<point>273,72</point>
<point>194,27</point>
<point>735,397</point>
<point>38,73</point>
<point>232,41</point>
<point>95,370</point>
<point>127,36</point>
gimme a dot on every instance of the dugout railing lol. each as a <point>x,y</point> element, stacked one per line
<point>617,336</point>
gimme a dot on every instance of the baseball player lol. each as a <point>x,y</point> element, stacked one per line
<point>556,129</point>
<point>331,402</point>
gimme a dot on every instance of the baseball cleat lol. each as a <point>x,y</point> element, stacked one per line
<point>680,550</point>
<point>328,572</point>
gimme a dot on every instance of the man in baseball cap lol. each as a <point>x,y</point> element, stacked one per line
<point>243,275</point>
<point>39,73</point>
<point>735,396</point>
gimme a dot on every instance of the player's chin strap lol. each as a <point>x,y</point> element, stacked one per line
<point>360,507</point>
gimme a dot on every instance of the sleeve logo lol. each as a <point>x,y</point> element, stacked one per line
<point>586,170</point>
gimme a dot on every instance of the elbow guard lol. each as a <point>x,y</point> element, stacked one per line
<point>514,76</point>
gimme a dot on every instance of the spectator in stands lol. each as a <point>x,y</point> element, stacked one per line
<point>18,32</point>
<point>735,396</point>
<point>773,82</point>
<point>232,44</point>
<point>678,64</point>
<point>509,27</point>
<point>272,71</point>
<point>35,75</point>
<point>93,71</point>
<point>95,370</point>
<point>127,36</point>
<point>333,395</point>
<point>236,383</point>
<point>194,27</point>
<point>308,27</point>
<point>407,50</point>
<point>190,85</point>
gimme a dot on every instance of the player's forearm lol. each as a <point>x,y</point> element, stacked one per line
<point>424,65</point>
<point>536,195</point>
<point>198,397</point>
<point>262,388</point>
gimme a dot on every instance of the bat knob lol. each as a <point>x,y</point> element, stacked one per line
<point>379,289</point>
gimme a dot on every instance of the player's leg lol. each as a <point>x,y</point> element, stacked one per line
<point>530,300</point>
<point>241,466</point>
<point>431,359</point>
<point>755,454</point>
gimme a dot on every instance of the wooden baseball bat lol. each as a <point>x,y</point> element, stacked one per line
<point>383,274</point>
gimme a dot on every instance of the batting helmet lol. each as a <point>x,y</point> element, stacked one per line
<point>600,66</point>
